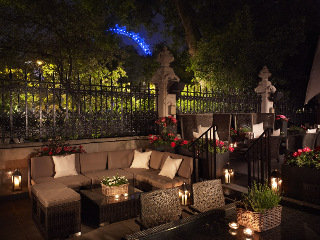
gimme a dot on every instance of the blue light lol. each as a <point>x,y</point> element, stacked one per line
<point>134,36</point>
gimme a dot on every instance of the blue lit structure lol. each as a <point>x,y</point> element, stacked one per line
<point>134,36</point>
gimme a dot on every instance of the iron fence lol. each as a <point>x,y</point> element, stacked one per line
<point>36,109</point>
<point>198,100</point>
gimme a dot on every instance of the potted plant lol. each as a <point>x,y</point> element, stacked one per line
<point>301,175</point>
<point>260,209</point>
<point>167,140</point>
<point>115,186</point>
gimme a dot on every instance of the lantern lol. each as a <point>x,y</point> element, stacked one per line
<point>276,181</point>
<point>16,181</point>
<point>228,173</point>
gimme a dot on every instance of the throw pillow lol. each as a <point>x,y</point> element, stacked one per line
<point>141,159</point>
<point>201,130</point>
<point>257,129</point>
<point>276,133</point>
<point>64,165</point>
<point>170,167</point>
<point>312,130</point>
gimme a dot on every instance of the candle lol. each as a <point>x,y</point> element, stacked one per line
<point>234,225</point>
<point>233,232</point>
<point>185,198</point>
<point>247,232</point>
<point>116,196</point>
<point>274,184</point>
<point>235,145</point>
<point>226,176</point>
<point>16,182</point>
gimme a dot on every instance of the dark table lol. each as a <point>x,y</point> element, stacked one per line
<point>296,224</point>
<point>96,208</point>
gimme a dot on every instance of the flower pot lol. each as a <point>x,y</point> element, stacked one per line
<point>301,183</point>
<point>258,221</point>
<point>111,191</point>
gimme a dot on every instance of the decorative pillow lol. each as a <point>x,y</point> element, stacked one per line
<point>312,130</point>
<point>257,129</point>
<point>64,165</point>
<point>276,133</point>
<point>170,167</point>
<point>141,159</point>
<point>201,130</point>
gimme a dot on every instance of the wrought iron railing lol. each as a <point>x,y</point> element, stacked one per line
<point>204,150</point>
<point>43,108</point>
<point>198,100</point>
<point>258,157</point>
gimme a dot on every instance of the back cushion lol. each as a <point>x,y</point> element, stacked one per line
<point>77,162</point>
<point>93,161</point>
<point>155,159</point>
<point>120,159</point>
<point>186,166</point>
<point>42,167</point>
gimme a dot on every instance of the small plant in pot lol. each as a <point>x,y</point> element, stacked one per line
<point>260,209</point>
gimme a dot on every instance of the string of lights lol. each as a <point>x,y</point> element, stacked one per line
<point>134,36</point>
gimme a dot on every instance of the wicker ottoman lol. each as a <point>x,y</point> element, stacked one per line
<point>56,210</point>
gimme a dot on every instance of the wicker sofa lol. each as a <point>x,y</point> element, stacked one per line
<point>92,167</point>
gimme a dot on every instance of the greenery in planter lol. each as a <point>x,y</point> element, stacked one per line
<point>114,181</point>
<point>305,158</point>
<point>240,134</point>
<point>260,198</point>
<point>221,147</point>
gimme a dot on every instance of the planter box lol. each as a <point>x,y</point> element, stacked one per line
<point>260,221</point>
<point>114,190</point>
<point>301,183</point>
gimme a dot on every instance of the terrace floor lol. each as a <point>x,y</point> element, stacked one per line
<point>16,222</point>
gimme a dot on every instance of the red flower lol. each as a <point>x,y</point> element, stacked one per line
<point>299,150</point>
<point>58,149</point>
<point>173,144</point>
<point>295,154</point>
<point>45,149</point>
<point>50,153</point>
<point>176,139</point>
<point>174,120</point>
<point>306,149</point>
<point>231,149</point>
<point>184,142</point>
<point>65,148</point>
<point>163,119</point>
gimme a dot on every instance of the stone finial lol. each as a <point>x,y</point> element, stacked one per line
<point>165,57</point>
<point>264,73</point>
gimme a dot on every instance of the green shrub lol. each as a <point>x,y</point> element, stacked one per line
<point>260,198</point>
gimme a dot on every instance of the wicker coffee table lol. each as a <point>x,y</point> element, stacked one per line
<point>99,209</point>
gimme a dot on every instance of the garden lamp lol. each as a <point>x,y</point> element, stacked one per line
<point>16,181</point>
<point>276,181</point>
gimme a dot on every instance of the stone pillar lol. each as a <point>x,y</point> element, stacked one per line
<point>164,74</point>
<point>264,89</point>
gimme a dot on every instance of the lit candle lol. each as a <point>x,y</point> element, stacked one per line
<point>247,232</point>
<point>274,184</point>
<point>116,196</point>
<point>233,232</point>
<point>126,194</point>
<point>234,225</point>
<point>235,145</point>
<point>16,182</point>
<point>226,176</point>
<point>185,197</point>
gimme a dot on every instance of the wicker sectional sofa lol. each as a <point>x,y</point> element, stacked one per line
<point>56,202</point>
<point>92,167</point>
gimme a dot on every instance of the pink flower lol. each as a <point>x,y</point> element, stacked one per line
<point>295,154</point>
<point>163,120</point>
<point>173,144</point>
<point>176,139</point>
<point>174,120</point>
<point>299,150</point>
<point>184,142</point>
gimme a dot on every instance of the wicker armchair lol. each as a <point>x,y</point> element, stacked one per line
<point>223,123</point>
<point>159,207</point>
<point>207,195</point>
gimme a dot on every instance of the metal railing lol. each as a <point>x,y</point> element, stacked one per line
<point>204,150</point>
<point>258,157</point>
<point>198,100</point>
<point>36,109</point>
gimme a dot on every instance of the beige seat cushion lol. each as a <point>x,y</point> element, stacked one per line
<point>152,178</point>
<point>46,186</point>
<point>120,159</point>
<point>58,196</point>
<point>93,161</point>
<point>97,176</point>
<point>186,166</point>
<point>69,181</point>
